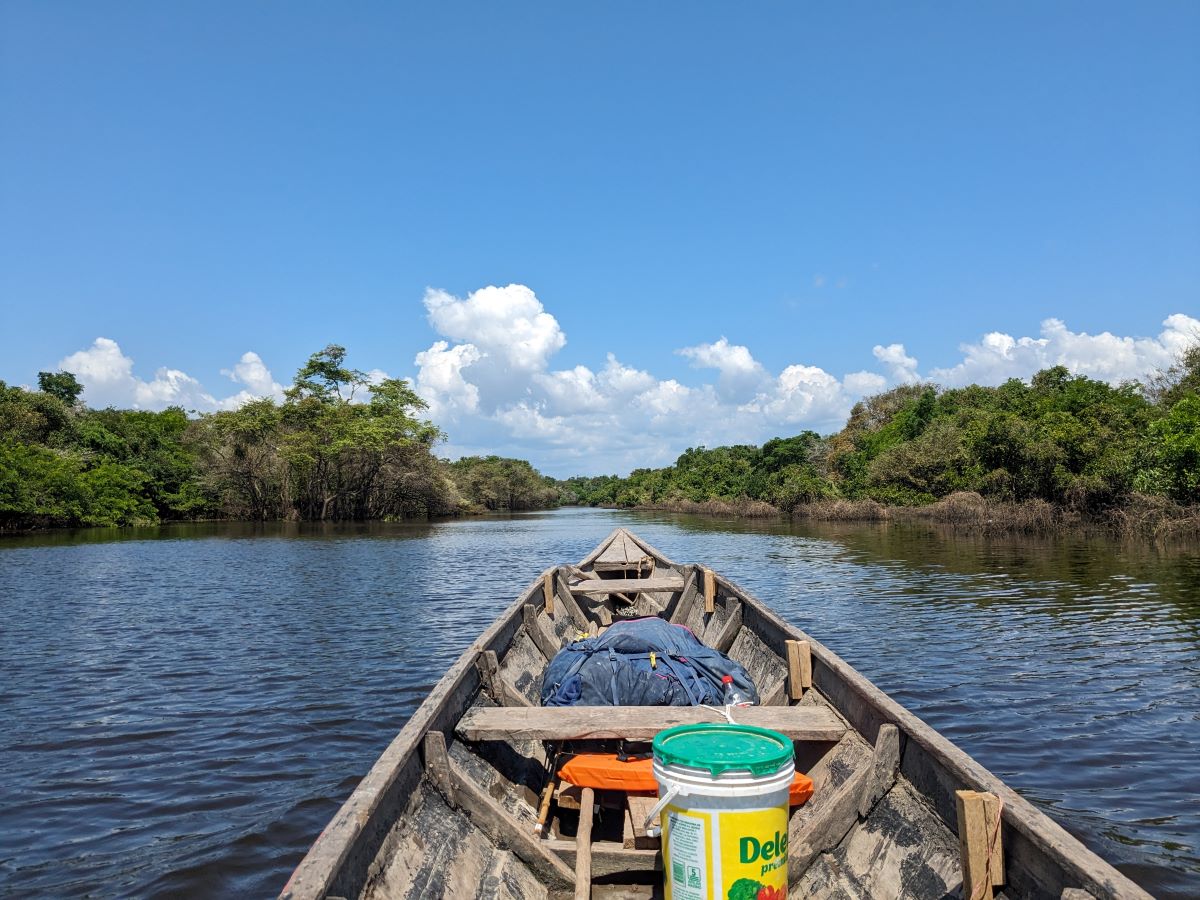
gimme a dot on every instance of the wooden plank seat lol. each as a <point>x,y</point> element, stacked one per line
<point>567,723</point>
<point>672,582</point>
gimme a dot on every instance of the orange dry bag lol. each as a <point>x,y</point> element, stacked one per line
<point>604,772</point>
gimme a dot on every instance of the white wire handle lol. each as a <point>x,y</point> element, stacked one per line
<point>653,829</point>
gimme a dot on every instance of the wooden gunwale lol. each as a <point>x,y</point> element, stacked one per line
<point>341,860</point>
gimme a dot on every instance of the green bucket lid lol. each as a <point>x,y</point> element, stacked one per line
<point>720,748</point>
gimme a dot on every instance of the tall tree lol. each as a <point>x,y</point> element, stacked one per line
<point>63,385</point>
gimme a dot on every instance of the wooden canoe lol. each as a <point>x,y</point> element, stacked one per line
<point>450,807</point>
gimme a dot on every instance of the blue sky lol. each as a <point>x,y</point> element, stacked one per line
<point>814,184</point>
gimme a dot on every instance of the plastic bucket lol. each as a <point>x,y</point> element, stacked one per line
<point>723,810</point>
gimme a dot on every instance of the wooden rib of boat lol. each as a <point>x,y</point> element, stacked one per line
<point>450,807</point>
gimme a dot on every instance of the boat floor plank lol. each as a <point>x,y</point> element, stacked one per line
<point>437,853</point>
<point>800,723</point>
<point>507,878</point>
<point>510,775</point>
<point>821,823</point>
<point>495,821</point>
<point>609,859</point>
<point>883,857</point>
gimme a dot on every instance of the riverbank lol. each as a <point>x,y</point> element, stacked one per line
<point>1145,517</point>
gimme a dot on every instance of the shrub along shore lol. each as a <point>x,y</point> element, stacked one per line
<point>1060,451</point>
<point>1141,516</point>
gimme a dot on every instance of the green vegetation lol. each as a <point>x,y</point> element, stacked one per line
<point>337,447</point>
<point>494,482</point>
<point>341,447</point>
<point>1062,439</point>
<point>61,463</point>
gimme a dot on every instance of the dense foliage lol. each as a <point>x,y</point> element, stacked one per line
<point>61,463</point>
<point>494,483</point>
<point>1061,438</point>
<point>337,447</point>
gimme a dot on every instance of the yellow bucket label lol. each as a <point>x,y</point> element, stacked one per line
<point>725,854</point>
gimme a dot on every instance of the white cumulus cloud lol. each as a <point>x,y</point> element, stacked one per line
<point>440,380</point>
<point>1105,356</point>
<point>740,374</point>
<point>252,372</point>
<point>901,366</point>
<point>507,323</point>
<point>492,379</point>
<point>491,382</point>
<point>108,379</point>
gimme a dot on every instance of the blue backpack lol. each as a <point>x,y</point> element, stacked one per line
<point>641,662</point>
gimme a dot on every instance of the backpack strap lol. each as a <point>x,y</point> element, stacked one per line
<point>671,664</point>
<point>614,661</point>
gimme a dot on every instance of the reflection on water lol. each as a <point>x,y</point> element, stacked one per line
<point>183,708</point>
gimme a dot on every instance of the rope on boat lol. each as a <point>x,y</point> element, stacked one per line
<point>726,711</point>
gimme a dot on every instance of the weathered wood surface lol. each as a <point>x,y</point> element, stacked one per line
<point>982,854</point>
<point>608,858</point>
<point>766,669</point>
<point>799,668</point>
<point>687,599</point>
<point>510,777</point>
<point>800,723</point>
<point>547,643</point>
<point>901,850</point>
<point>548,591</point>
<point>440,853</point>
<point>632,549</point>
<point>507,878</point>
<point>437,765</point>
<point>884,765</point>
<point>637,807</point>
<point>729,631</point>
<point>562,592</point>
<point>506,832</point>
<point>620,550</point>
<point>583,843</point>
<point>822,823</point>
<point>626,891</point>
<point>672,582</point>
<point>502,692</point>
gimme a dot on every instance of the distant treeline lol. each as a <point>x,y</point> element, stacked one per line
<point>337,447</point>
<point>1061,439</point>
<point>340,447</point>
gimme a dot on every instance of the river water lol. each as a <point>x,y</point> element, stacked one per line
<point>182,709</point>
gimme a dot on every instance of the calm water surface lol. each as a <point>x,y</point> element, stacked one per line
<point>182,709</point>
